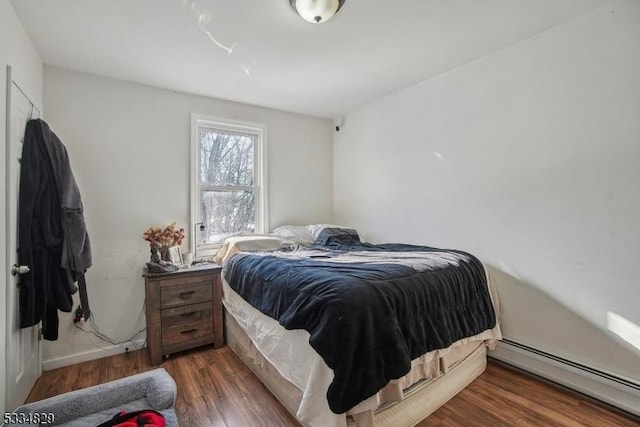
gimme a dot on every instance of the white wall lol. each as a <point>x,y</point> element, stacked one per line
<point>528,158</point>
<point>129,150</point>
<point>17,50</point>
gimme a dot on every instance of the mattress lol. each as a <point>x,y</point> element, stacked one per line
<point>288,353</point>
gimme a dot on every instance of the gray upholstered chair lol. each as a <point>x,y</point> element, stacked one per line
<point>91,406</point>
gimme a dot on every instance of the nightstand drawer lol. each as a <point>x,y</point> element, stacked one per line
<point>171,296</point>
<point>186,314</point>
<point>185,332</point>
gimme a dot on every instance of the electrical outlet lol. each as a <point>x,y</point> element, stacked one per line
<point>78,315</point>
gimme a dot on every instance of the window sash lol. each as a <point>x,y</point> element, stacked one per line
<point>212,187</point>
<point>226,153</point>
<point>235,212</point>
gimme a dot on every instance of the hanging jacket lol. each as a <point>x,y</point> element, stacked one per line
<point>52,236</point>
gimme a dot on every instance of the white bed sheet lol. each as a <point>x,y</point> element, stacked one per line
<point>290,353</point>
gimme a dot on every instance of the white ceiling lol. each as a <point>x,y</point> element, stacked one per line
<point>260,52</point>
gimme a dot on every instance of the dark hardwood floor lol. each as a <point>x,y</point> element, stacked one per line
<point>216,389</point>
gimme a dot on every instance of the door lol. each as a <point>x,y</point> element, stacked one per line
<point>23,356</point>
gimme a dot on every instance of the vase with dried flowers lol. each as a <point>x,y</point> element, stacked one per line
<point>161,240</point>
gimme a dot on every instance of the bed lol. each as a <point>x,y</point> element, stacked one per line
<point>349,333</point>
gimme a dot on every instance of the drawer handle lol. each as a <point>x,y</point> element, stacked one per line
<point>189,331</point>
<point>191,313</point>
<point>187,294</point>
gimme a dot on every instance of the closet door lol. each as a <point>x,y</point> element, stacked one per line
<point>23,354</point>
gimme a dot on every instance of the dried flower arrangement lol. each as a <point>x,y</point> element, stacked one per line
<point>166,238</point>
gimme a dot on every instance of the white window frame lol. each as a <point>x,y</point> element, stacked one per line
<point>260,176</point>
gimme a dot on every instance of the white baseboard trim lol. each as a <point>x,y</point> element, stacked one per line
<point>99,353</point>
<point>616,391</point>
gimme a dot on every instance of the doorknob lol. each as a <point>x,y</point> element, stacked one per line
<point>23,269</point>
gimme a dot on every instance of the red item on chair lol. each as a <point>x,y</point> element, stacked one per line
<point>144,418</point>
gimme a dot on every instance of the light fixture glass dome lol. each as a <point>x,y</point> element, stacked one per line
<point>316,11</point>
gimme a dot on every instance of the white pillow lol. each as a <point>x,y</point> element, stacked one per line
<point>252,243</point>
<point>315,229</point>
<point>296,233</point>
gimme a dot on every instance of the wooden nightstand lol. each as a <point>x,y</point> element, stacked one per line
<point>184,310</point>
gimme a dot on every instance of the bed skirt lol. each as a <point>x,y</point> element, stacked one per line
<point>447,375</point>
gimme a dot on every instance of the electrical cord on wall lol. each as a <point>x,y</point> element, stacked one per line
<point>96,332</point>
<point>103,337</point>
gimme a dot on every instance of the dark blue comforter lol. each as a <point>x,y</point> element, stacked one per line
<point>371,314</point>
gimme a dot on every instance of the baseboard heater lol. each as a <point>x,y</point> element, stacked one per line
<point>611,389</point>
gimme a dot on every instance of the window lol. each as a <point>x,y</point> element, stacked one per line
<point>228,181</point>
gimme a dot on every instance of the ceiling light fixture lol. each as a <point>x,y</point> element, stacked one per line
<point>316,11</point>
